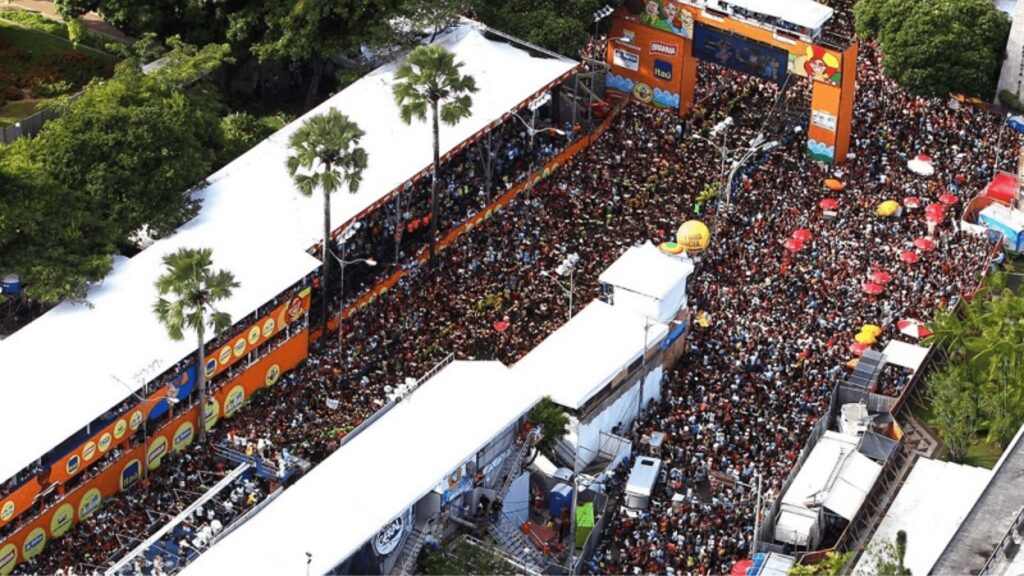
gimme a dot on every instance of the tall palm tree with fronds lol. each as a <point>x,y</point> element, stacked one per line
<point>429,79</point>
<point>188,291</point>
<point>326,155</point>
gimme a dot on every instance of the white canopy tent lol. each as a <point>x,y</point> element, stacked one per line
<point>343,502</point>
<point>60,370</point>
<point>930,506</point>
<point>906,355</point>
<point>855,480</point>
<point>648,282</point>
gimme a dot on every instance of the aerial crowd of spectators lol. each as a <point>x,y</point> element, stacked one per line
<point>752,382</point>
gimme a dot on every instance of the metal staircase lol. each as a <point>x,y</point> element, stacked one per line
<point>512,540</point>
<point>511,466</point>
<point>410,552</point>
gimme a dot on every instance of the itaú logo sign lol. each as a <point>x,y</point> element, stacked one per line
<point>666,49</point>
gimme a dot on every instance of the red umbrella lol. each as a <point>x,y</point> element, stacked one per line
<point>501,325</point>
<point>909,256</point>
<point>915,328</point>
<point>924,158</point>
<point>960,179</point>
<point>857,348</point>
<point>948,199</point>
<point>872,289</point>
<point>925,244</point>
<point>935,209</point>
<point>740,567</point>
<point>912,202</point>
<point>828,204</point>
<point>880,277</point>
<point>935,217</point>
<point>794,245</point>
<point>802,235</point>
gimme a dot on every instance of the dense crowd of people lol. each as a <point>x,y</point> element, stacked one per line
<point>751,384</point>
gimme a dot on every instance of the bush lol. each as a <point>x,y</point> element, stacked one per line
<point>1011,101</point>
<point>43,24</point>
<point>46,89</point>
<point>241,131</point>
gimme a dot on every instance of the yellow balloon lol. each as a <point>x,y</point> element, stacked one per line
<point>693,236</point>
<point>865,338</point>
<point>873,329</point>
<point>887,208</point>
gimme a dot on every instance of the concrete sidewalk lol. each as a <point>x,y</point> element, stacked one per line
<point>92,20</point>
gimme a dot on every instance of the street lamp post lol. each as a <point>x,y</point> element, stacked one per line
<point>757,510</point>
<point>566,268</point>
<point>171,401</point>
<point>341,306</point>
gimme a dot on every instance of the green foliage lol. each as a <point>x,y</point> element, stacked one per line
<point>832,565</point>
<point>326,154</point>
<point>76,31</point>
<point>429,81</point>
<point>563,27</point>
<point>464,559</point>
<point>554,423</point>
<point>196,22</point>
<point>984,388</point>
<point>1011,101</point>
<point>432,16</point>
<point>41,23</point>
<point>241,132</point>
<point>939,47</point>
<point>889,557</point>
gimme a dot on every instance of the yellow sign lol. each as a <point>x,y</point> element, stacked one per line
<point>135,420</point>
<point>273,373</point>
<point>693,236</point>
<point>156,452</point>
<point>89,503</point>
<point>7,511</point>
<point>8,559</point>
<point>34,543</point>
<point>120,428</point>
<point>61,520</point>
<point>234,400</point>
<point>254,335</point>
<point>183,436</point>
<point>89,450</point>
<point>211,413</point>
<point>268,327</point>
<point>225,355</point>
<point>105,441</point>
<point>239,347</point>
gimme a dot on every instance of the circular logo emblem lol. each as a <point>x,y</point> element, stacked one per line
<point>89,503</point>
<point>135,420</point>
<point>224,356</point>
<point>389,537</point>
<point>268,327</point>
<point>120,428</point>
<point>7,511</point>
<point>88,451</point>
<point>239,347</point>
<point>61,520</point>
<point>105,441</point>
<point>73,463</point>
<point>183,436</point>
<point>156,452</point>
<point>234,400</point>
<point>643,93</point>
<point>254,335</point>
<point>8,557</point>
<point>33,543</point>
<point>211,413</point>
<point>273,373</point>
<point>211,366</point>
<point>130,474</point>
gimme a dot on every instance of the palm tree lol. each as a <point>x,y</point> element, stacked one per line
<point>430,78</point>
<point>195,289</point>
<point>326,155</point>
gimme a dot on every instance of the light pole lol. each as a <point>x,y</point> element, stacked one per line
<point>566,268</point>
<point>341,304</point>
<point>745,153</point>
<point>171,401</point>
<point>599,15</point>
<point>757,511</point>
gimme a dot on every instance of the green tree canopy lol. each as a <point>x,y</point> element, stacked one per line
<point>939,47</point>
<point>553,421</point>
<point>563,27</point>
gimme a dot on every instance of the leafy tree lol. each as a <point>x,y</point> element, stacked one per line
<point>888,557</point>
<point>832,565</point>
<point>954,401</point>
<point>76,31</point>
<point>429,80</point>
<point>195,21</point>
<point>563,27</point>
<point>935,48</point>
<point>432,16</point>
<point>241,132</point>
<point>311,31</point>
<point>188,293</point>
<point>553,421</point>
<point>326,155</point>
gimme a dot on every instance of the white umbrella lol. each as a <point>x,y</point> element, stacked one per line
<point>913,327</point>
<point>922,166</point>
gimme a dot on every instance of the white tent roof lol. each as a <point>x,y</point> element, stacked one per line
<point>339,505</point>
<point>813,476</point>
<point>904,354</point>
<point>580,358</point>
<point>931,505</point>
<point>646,270</point>
<point>259,227</point>
<point>855,480</point>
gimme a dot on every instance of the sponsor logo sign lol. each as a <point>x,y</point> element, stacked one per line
<point>295,310</point>
<point>823,119</point>
<point>211,365</point>
<point>8,557</point>
<point>239,347</point>
<point>105,441</point>
<point>156,452</point>
<point>7,511</point>
<point>625,59</point>
<point>89,503</point>
<point>120,428</point>
<point>390,536</point>
<point>268,327</point>
<point>254,335</point>
<point>88,451</point>
<point>61,520</point>
<point>273,374</point>
<point>135,420</point>
<point>234,400</point>
<point>72,465</point>
<point>130,474</point>
<point>183,436</point>
<point>225,355</point>
<point>211,413</point>
<point>33,543</point>
<point>662,70</point>
<point>666,49</point>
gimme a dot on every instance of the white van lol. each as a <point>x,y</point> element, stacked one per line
<point>641,483</point>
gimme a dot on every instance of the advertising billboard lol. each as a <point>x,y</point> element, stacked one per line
<point>646,63</point>
<point>740,54</point>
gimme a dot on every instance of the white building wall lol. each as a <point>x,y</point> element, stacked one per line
<point>1011,77</point>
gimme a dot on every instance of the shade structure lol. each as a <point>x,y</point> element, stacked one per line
<point>887,208</point>
<point>828,204</point>
<point>909,256</point>
<point>880,277</point>
<point>922,166</point>
<point>872,288</point>
<point>872,329</point>
<point>935,208</point>
<point>935,217</point>
<point>912,202</point>
<point>857,348</point>
<point>914,327</point>
<point>924,244</point>
<point>740,567</point>
<point>948,199</point>
<point>834,185</point>
<point>802,235</point>
<point>865,338</point>
<point>794,245</point>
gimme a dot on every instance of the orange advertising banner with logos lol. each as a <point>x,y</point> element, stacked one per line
<point>647,63</point>
<point>174,436</point>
